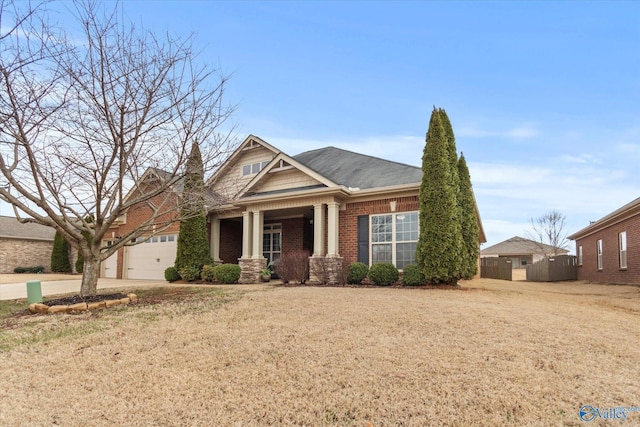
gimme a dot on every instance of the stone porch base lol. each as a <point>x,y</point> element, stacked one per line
<point>250,269</point>
<point>325,271</point>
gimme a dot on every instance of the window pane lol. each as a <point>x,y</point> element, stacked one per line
<point>172,238</point>
<point>255,168</point>
<point>163,238</point>
<point>381,253</point>
<point>262,166</point>
<point>381,228</point>
<point>623,241</point>
<point>407,227</point>
<point>405,254</point>
<point>266,242</point>
<point>276,242</point>
<point>246,170</point>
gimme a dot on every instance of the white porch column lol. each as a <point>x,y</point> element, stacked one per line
<point>215,240</point>
<point>318,230</point>
<point>258,230</point>
<point>246,234</point>
<point>332,227</point>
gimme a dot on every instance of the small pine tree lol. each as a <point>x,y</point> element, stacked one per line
<point>193,246</point>
<point>438,253</point>
<point>60,255</point>
<point>468,221</point>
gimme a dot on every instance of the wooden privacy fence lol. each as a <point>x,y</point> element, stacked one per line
<point>495,268</point>
<point>553,269</point>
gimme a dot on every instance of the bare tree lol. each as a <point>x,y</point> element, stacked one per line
<point>96,126</point>
<point>549,232</point>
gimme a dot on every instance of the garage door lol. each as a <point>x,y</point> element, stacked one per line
<point>111,266</point>
<point>148,260</point>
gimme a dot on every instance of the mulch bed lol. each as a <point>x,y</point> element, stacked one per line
<point>75,299</point>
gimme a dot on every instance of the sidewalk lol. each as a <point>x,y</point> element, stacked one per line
<point>11,291</point>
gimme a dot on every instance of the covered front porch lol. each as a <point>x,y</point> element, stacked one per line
<point>259,233</point>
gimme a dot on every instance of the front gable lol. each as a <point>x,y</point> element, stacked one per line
<point>284,174</point>
<point>241,167</point>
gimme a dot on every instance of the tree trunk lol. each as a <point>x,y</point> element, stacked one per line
<point>90,274</point>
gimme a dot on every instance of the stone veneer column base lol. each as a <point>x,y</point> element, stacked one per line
<point>325,271</point>
<point>250,269</point>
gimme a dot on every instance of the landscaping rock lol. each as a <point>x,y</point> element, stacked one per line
<point>58,309</point>
<point>38,308</point>
<point>97,305</point>
<point>112,302</point>
<point>81,306</point>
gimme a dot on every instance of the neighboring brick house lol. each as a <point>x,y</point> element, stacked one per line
<point>24,245</point>
<point>338,205</point>
<point>608,250</point>
<point>521,251</point>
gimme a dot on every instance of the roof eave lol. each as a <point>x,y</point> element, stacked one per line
<point>622,214</point>
<point>341,192</point>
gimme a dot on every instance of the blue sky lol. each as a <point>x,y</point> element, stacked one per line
<point>544,97</point>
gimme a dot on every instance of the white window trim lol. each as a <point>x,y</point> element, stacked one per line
<point>393,241</point>
<point>599,251</point>
<point>622,249</point>
<point>261,165</point>
<point>272,229</point>
<point>580,255</point>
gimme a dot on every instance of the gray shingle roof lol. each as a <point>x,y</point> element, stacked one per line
<point>13,229</point>
<point>517,246</point>
<point>358,170</point>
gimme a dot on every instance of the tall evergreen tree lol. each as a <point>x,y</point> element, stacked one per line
<point>438,253</point>
<point>452,153</point>
<point>60,262</point>
<point>193,246</point>
<point>469,222</point>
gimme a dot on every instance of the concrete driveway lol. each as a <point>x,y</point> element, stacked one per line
<point>71,284</point>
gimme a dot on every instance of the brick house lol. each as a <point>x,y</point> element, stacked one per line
<point>521,251</point>
<point>338,205</point>
<point>24,245</point>
<point>608,250</point>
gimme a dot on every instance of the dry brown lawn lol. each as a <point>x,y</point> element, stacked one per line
<point>494,353</point>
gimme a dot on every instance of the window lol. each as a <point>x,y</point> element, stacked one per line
<point>622,245</point>
<point>599,252</point>
<point>394,238</point>
<point>579,255</point>
<point>254,168</point>
<point>272,242</point>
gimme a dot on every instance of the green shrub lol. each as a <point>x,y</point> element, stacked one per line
<point>171,274</point>
<point>357,272</point>
<point>37,269</point>
<point>60,255</point>
<point>208,273</point>
<point>227,273</point>
<point>383,274</point>
<point>189,273</point>
<point>412,276</point>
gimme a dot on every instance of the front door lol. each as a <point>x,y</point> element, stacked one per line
<point>272,242</point>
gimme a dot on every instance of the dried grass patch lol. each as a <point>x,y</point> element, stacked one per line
<point>495,355</point>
